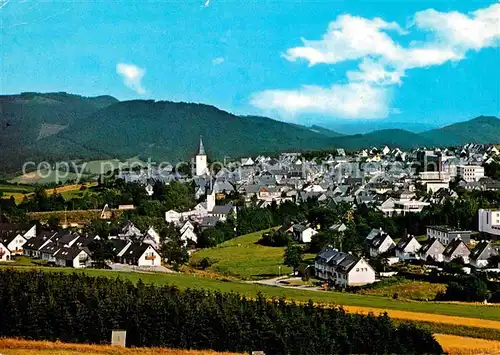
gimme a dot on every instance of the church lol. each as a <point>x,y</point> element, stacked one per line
<point>201,161</point>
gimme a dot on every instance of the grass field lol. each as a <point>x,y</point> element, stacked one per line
<point>242,257</point>
<point>427,311</point>
<point>21,191</point>
<point>29,347</point>
<point>406,289</point>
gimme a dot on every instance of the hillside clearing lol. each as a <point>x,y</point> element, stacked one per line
<point>242,257</point>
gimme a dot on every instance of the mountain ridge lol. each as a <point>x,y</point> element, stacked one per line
<point>78,127</point>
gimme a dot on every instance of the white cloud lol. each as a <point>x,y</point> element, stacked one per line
<point>132,76</point>
<point>353,100</point>
<point>374,72</point>
<point>218,60</point>
<point>382,60</point>
<point>478,30</point>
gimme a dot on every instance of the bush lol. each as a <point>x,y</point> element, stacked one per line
<point>78,308</point>
<point>470,289</point>
<point>275,239</point>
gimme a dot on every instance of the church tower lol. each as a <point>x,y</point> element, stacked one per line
<point>201,160</point>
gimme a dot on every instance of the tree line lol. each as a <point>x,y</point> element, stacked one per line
<point>79,308</point>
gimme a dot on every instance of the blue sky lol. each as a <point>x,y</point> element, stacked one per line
<point>323,62</point>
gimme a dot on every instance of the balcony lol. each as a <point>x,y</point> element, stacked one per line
<point>150,257</point>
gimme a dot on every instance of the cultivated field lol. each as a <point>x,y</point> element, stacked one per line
<point>242,257</point>
<point>450,343</point>
<point>19,192</point>
<point>25,347</point>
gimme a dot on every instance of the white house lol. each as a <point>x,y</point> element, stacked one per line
<point>381,244</point>
<point>189,234</point>
<point>489,221</point>
<point>407,248</point>
<point>302,233</point>
<point>5,254</point>
<point>432,249</point>
<point>152,235</point>
<point>186,225</point>
<point>72,257</point>
<point>14,242</point>
<point>479,256</point>
<point>172,216</point>
<point>456,249</point>
<point>141,254</point>
<point>343,269</point>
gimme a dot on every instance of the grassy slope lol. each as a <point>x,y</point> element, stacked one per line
<point>243,258</point>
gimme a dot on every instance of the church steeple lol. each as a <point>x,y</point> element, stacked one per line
<point>201,150</point>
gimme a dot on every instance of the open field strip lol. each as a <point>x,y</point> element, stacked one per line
<point>29,347</point>
<point>457,345</point>
<point>454,345</point>
<point>427,317</point>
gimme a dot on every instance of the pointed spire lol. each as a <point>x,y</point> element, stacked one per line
<point>201,150</point>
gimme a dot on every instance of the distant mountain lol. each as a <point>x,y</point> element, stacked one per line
<point>483,129</point>
<point>389,137</point>
<point>61,126</point>
<point>171,131</point>
<point>325,131</point>
<point>30,122</point>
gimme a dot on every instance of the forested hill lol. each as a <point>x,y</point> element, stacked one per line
<point>61,126</point>
<point>168,130</point>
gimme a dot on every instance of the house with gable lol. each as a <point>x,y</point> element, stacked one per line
<point>456,249</point>
<point>303,233</point>
<point>381,244</point>
<point>141,254</point>
<point>480,255</point>
<point>73,257</point>
<point>343,269</point>
<point>407,248</point>
<point>432,250</point>
<point>5,254</point>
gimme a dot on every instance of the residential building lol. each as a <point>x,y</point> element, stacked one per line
<point>407,248</point>
<point>470,173</point>
<point>456,249</point>
<point>141,254</point>
<point>5,254</point>
<point>343,269</point>
<point>381,244</point>
<point>13,241</point>
<point>302,233</point>
<point>73,257</point>
<point>432,249</point>
<point>489,222</point>
<point>479,256</point>
<point>445,234</point>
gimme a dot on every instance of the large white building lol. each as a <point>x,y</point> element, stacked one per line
<point>343,269</point>
<point>470,172</point>
<point>489,221</point>
<point>201,160</point>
